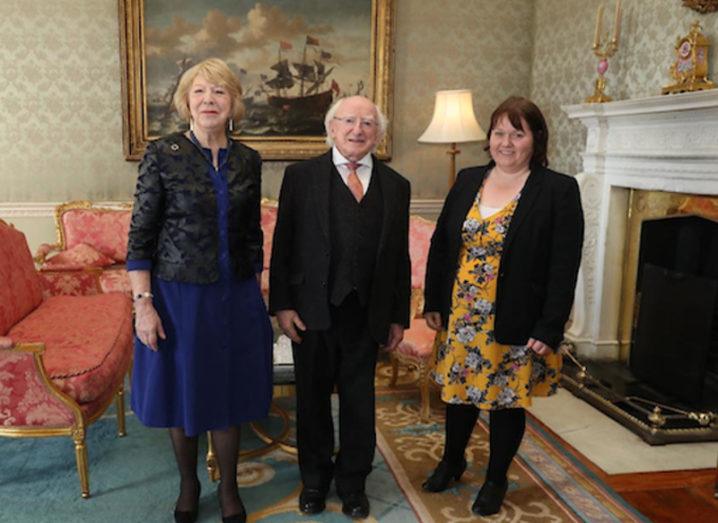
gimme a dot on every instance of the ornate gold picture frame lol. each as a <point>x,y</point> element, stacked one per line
<point>702,6</point>
<point>293,59</point>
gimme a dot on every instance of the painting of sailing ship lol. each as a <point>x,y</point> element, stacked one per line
<point>293,58</point>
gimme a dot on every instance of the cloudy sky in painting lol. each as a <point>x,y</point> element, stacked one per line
<point>247,34</point>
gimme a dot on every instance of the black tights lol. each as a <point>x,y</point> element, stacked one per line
<point>506,430</point>
<point>226,447</point>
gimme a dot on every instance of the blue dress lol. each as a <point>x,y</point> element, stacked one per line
<point>214,370</point>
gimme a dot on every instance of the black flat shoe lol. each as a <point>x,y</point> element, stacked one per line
<point>489,499</point>
<point>189,516</point>
<point>312,501</point>
<point>442,476</point>
<point>239,517</point>
<point>355,505</point>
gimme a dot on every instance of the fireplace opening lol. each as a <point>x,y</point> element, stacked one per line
<point>674,345</point>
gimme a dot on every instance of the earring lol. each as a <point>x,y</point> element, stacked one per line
<point>231,125</point>
<point>191,124</point>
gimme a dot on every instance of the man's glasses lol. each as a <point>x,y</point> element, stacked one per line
<point>351,121</point>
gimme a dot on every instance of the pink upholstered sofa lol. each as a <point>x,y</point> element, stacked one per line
<point>90,239</point>
<point>70,353</point>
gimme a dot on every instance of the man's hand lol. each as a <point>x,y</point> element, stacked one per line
<point>433,320</point>
<point>539,347</point>
<point>396,334</point>
<point>148,325</point>
<point>289,321</point>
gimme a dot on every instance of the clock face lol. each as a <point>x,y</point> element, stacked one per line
<point>683,66</point>
<point>684,51</point>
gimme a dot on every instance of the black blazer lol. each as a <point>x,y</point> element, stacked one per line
<point>174,217</point>
<point>539,264</point>
<point>301,248</point>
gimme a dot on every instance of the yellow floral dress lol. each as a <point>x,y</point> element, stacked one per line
<point>471,367</point>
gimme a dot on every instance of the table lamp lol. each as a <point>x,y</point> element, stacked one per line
<point>453,122</point>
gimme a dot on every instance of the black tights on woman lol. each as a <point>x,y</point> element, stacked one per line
<point>506,430</point>
<point>226,447</point>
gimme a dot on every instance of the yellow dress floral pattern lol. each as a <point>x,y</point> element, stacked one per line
<point>471,367</point>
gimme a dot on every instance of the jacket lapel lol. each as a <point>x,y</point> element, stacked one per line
<point>320,184</point>
<point>387,193</point>
<point>526,201</point>
<point>236,162</point>
<point>465,199</point>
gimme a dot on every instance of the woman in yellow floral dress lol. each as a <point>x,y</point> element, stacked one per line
<point>500,279</point>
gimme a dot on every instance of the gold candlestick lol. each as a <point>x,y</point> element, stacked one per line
<point>604,51</point>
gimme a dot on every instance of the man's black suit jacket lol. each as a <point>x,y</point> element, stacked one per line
<point>301,248</point>
<point>539,264</point>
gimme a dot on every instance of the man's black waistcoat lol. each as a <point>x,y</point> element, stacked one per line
<point>355,230</point>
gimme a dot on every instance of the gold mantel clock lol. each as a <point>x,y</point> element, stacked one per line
<point>690,68</point>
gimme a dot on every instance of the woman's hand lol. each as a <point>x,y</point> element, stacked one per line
<point>148,325</point>
<point>433,320</point>
<point>539,347</point>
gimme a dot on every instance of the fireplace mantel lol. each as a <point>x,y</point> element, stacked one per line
<point>662,143</point>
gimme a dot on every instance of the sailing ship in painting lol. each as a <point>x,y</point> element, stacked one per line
<point>309,78</point>
<point>298,94</point>
<point>291,100</point>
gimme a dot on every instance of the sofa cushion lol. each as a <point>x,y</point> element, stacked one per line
<point>24,399</point>
<point>70,283</point>
<point>20,287</point>
<point>115,280</point>
<point>104,229</point>
<point>77,258</point>
<point>87,341</point>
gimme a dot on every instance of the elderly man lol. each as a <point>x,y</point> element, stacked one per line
<point>339,286</point>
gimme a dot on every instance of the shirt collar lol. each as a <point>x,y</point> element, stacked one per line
<point>339,159</point>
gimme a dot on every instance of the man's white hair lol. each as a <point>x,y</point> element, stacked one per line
<point>380,118</point>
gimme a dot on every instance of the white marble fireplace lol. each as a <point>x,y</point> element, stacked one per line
<point>662,143</point>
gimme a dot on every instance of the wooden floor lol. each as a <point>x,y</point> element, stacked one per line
<point>682,496</point>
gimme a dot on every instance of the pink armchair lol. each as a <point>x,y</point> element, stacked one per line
<point>90,239</point>
<point>69,358</point>
<point>417,348</point>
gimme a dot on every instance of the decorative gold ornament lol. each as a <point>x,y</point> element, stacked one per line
<point>604,50</point>
<point>656,417</point>
<point>702,6</point>
<point>690,69</point>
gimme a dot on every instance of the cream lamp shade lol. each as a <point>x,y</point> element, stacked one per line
<point>453,122</point>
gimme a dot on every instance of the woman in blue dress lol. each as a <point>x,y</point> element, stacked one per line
<point>203,348</point>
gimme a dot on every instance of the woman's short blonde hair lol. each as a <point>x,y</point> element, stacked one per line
<point>215,71</point>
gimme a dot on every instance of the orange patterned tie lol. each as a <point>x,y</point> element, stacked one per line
<point>353,182</point>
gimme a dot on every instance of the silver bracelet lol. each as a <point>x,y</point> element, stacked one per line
<point>140,295</point>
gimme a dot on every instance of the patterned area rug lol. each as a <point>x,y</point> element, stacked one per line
<point>134,479</point>
<point>545,483</point>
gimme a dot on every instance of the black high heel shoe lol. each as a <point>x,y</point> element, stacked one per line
<point>490,498</point>
<point>239,517</point>
<point>442,475</point>
<point>189,516</point>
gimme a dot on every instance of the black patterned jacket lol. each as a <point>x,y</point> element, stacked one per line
<point>174,218</point>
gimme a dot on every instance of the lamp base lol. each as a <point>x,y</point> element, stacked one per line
<point>452,152</point>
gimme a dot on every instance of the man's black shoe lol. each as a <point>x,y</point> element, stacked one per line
<point>312,501</point>
<point>355,505</point>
